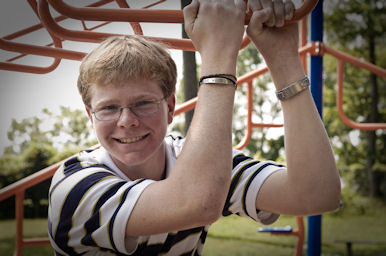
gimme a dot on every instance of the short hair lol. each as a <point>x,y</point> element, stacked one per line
<point>124,58</point>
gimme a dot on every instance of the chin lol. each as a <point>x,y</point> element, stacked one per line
<point>132,159</point>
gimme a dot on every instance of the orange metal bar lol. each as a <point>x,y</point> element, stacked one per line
<point>140,15</point>
<point>299,233</point>
<point>19,215</point>
<point>25,183</point>
<point>8,45</point>
<point>354,61</point>
<point>57,53</point>
<point>25,49</point>
<point>248,129</point>
<point>36,241</point>
<point>339,103</point>
<point>342,59</point>
<point>40,50</point>
<point>303,42</point>
<point>97,37</point>
<point>39,26</point>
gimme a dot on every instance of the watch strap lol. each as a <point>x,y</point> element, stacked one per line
<point>293,89</point>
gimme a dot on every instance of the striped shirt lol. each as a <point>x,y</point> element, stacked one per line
<point>90,202</point>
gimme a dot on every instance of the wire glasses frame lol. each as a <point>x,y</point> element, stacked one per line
<point>140,109</point>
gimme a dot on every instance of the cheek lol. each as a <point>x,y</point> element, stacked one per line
<point>102,130</point>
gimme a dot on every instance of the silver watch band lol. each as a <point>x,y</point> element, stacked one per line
<point>293,89</point>
<point>218,80</point>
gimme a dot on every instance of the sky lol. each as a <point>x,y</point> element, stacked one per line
<point>24,95</point>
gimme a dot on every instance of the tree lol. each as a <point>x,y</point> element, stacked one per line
<point>265,109</point>
<point>38,142</point>
<point>190,74</point>
<point>358,27</point>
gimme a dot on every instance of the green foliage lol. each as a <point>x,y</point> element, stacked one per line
<point>265,109</point>
<point>357,28</point>
<point>38,142</point>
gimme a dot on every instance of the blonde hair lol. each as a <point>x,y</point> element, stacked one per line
<point>123,58</point>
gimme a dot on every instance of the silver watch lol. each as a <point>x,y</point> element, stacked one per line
<point>293,89</point>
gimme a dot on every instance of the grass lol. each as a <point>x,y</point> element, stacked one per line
<point>233,235</point>
<point>32,228</point>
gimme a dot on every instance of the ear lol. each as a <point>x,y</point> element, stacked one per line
<point>171,101</point>
<point>88,110</point>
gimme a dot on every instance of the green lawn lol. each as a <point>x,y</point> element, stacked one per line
<point>238,236</point>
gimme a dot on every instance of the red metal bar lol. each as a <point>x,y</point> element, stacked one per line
<point>8,45</point>
<point>135,25</point>
<point>97,37</point>
<point>25,49</point>
<point>248,128</point>
<point>38,241</point>
<point>354,61</point>
<point>140,15</point>
<point>56,53</point>
<point>39,26</point>
<point>19,215</point>
<point>339,103</point>
<point>303,42</point>
<point>40,50</point>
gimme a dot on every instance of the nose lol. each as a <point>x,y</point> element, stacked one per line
<point>127,118</point>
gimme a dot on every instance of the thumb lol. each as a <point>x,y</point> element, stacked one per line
<point>190,15</point>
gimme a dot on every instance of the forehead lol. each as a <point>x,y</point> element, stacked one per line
<point>125,92</point>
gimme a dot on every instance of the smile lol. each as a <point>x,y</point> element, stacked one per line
<point>131,140</point>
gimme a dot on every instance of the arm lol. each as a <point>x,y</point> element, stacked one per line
<point>195,193</point>
<point>310,184</point>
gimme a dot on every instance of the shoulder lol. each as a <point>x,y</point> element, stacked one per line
<point>80,166</point>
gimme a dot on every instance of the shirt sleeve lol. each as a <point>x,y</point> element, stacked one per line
<point>89,209</point>
<point>248,175</point>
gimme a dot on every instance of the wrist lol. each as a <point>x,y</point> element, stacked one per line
<point>285,71</point>
<point>218,63</point>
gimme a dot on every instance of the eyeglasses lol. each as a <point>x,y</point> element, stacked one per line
<point>140,109</point>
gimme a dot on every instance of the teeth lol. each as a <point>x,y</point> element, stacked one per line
<point>131,140</point>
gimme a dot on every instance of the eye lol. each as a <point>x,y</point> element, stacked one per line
<point>143,103</point>
<point>108,108</point>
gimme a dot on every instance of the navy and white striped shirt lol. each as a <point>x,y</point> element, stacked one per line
<point>90,201</point>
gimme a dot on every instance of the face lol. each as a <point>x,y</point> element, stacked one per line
<point>132,140</point>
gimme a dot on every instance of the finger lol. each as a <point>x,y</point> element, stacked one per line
<point>240,4</point>
<point>190,15</point>
<point>258,18</point>
<point>268,4</point>
<point>289,8</point>
<point>278,7</point>
<point>254,5</point>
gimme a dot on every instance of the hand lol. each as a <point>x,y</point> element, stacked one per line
<point>216,28</point>
<point>266,28</point>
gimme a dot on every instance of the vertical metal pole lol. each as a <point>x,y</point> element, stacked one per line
<point>19,214</point>
<point>314,229</point>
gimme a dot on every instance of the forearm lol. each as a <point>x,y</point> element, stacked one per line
<point>310,161</point>
<point>206,160</point>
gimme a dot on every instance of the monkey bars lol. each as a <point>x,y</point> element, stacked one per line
<point>94,12</point>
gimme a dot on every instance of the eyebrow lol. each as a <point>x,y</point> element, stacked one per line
<point>132,100</point>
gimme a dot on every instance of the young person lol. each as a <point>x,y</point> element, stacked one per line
<point>142,193</point>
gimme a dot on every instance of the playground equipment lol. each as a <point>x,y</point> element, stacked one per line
<point>133,17</point>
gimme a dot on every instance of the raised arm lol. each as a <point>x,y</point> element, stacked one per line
<point>194,194</point>
<point>310,184</point>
